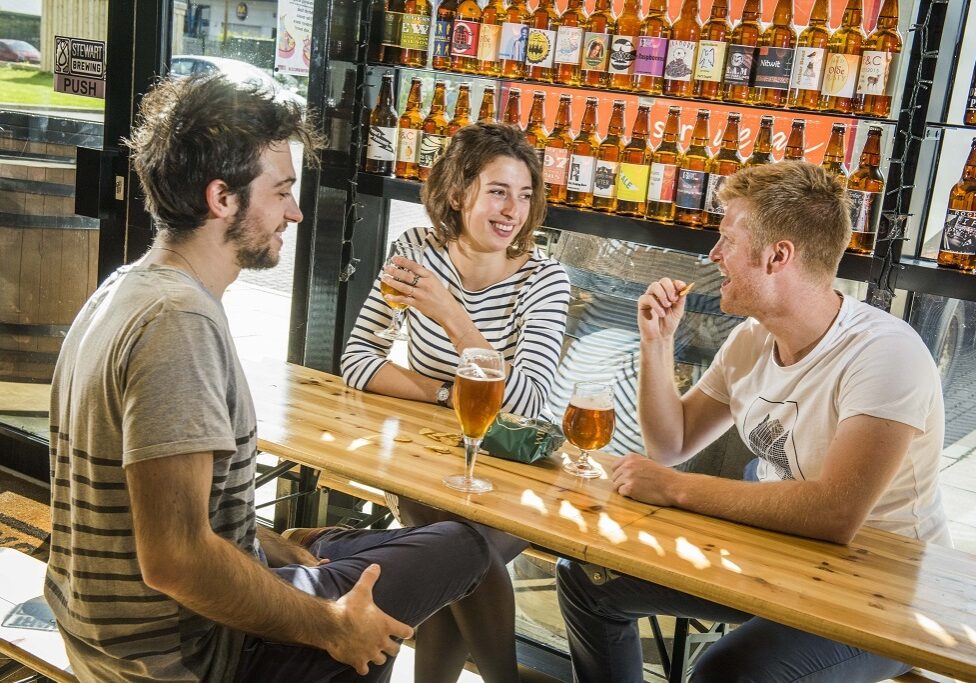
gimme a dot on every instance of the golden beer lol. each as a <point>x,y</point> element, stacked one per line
<point>478,396</point>
<point>588,426</point>
<point>388,290</point>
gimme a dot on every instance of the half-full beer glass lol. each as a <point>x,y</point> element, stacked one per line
<point>478,389</point>
<point>414,252</point>
<point>588,424</point>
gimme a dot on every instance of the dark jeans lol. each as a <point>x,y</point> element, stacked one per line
<point>601,624</point>
<point>424,569</point>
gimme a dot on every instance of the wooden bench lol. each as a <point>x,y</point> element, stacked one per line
<point>28,634</point>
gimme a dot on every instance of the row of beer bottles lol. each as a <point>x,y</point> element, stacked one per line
<point>841,71</point>
<point>613,173</point>
<point>958,247</point>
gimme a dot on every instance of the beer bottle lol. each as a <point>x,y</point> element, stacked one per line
<point>513,108</point>
<point>969,118</point>
<point>808,64</point>
<point>582,159</point>
<point>415,33</point>
<point>843,60</point>
<point>486,114</point>
<point>443,26</point>
<point>462,110</point>
<point>664,170</point>
<point>490,38</point>
<point>515,38</point>
<point>958,248</point>
<point>865,187</point>
<point>833,161</point>
<point>762,149</point>
<point>555,164</point>
<point>381,149</point>
<point>433,138</point>
<point>408,146</point>
<point>535,131</point>
<point>652,48</point>
<point>710,63</point>
<point>541,48</point>
<point>608,161</point>
<point>635,167</point>
<point>774,60</point>
<point>679,65</point>
<point>725,163</point>
<point>623,46</point>
<point>596,45</point>
<point>872,97</point>
<point>689,198</point>
<point>465,36</point>
<point>392,28</point>
<point>742,55</point>
<point>569,43</point>
<point>795,144</point>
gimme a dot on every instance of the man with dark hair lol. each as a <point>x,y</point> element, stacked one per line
<point>841,440</point>
<point>158,571</point>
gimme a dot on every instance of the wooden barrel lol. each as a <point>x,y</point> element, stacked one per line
<point>48,255</point>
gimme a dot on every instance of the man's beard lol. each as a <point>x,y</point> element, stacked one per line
<point>250,255</point>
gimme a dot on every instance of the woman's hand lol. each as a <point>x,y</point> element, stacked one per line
<point>421,290</point>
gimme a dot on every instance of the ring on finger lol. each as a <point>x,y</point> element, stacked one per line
<point>416,279</point>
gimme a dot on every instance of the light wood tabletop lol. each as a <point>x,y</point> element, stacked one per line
<point>885,593</point>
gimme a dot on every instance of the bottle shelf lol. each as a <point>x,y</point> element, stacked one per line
<point>701,103</point>
<point>922,275</point>
<point>600,224</point>
<point>941,125</point>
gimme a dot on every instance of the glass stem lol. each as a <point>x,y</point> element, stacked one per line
<point>581,460</point>
<point>470,453</point>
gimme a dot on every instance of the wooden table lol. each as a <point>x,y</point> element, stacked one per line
<point>882,592</point>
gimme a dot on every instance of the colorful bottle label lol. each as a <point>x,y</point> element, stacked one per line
<point>710,63</point>
<point>808,69</point>
<point>488,41</point>
<point>959,233</point>
<point>569,45</point>
<point>596,48</point>
<point>840,75</point>
<point>875,69</point>
<point>865,210</point>
<point>555,166</point>
<point>774,66</point>
<point>632,182</point>
<point>623,54</point>
<point>738,67</point>
<point>605,178</point>
<point>431,149</point>
<point>680,62</point>
<point>408,149</point>
<point>382,143</point>
<point>580,178</point>
<point>712,204</point>
<point>392,28</point>
<point>690,193</point>
<point>651,52</point>
<point>464,38</point>
<point>661,186</point>
<point>513,41</point>
<point>541,48</point>
<point>415,32</point>
<point>442,38</point>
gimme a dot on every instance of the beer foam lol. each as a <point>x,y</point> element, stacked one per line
<point>596,402</point>
<point>476,372</point>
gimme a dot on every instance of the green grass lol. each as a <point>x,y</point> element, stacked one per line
<point>24,86</point>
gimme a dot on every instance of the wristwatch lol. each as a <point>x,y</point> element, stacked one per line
<point>444,394</point>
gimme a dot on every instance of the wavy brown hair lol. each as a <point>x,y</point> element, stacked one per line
<point>472,148</point>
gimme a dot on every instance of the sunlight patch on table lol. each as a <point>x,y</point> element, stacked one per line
<point>532,500</point>
<point>650,540</point>
<point>729,564</point>
<point>690,552</point>
<point>610,529</point>
<point>935,630</point>
<point>569,512</point>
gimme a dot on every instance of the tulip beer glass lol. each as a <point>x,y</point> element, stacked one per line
<point>478,389</point>
<point>588,424</point>
<point>414,252</point>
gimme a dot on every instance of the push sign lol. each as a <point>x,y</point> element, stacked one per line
<point>79,66</point>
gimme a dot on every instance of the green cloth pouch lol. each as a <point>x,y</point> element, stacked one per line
<point>513,437</point>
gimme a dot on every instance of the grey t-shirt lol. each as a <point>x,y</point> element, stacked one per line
<point>148,370</point>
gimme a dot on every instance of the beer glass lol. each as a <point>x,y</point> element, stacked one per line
<point>479,385</point>
<point>414,252</point>
<point>588,424</point>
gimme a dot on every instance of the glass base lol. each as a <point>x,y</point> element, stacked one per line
<point>458,482</point>
<point>393,334</point>
<point>582,469</point>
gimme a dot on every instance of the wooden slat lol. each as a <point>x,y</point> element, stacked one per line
<point>884,593</point>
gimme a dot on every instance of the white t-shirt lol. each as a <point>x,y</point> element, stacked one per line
<point>868,363</point>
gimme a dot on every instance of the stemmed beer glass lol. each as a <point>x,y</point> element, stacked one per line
<point>414,252</point>
<point>479,386</point>
<point>588,424</point>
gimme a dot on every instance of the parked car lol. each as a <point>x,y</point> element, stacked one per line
<point>18,51</point>
<point>235,70</point>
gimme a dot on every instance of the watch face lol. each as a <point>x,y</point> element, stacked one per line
<point>442,394</point>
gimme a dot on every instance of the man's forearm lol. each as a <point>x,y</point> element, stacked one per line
<point>659,404</point>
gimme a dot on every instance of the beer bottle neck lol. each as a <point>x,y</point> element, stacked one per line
<point>751,11</point>
<point>783,14</point>
<point>852,15</point>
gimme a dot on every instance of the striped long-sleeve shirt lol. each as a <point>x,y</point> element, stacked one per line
<point>523,316</point>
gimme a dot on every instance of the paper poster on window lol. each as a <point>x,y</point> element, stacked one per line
<point>294,44</point>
